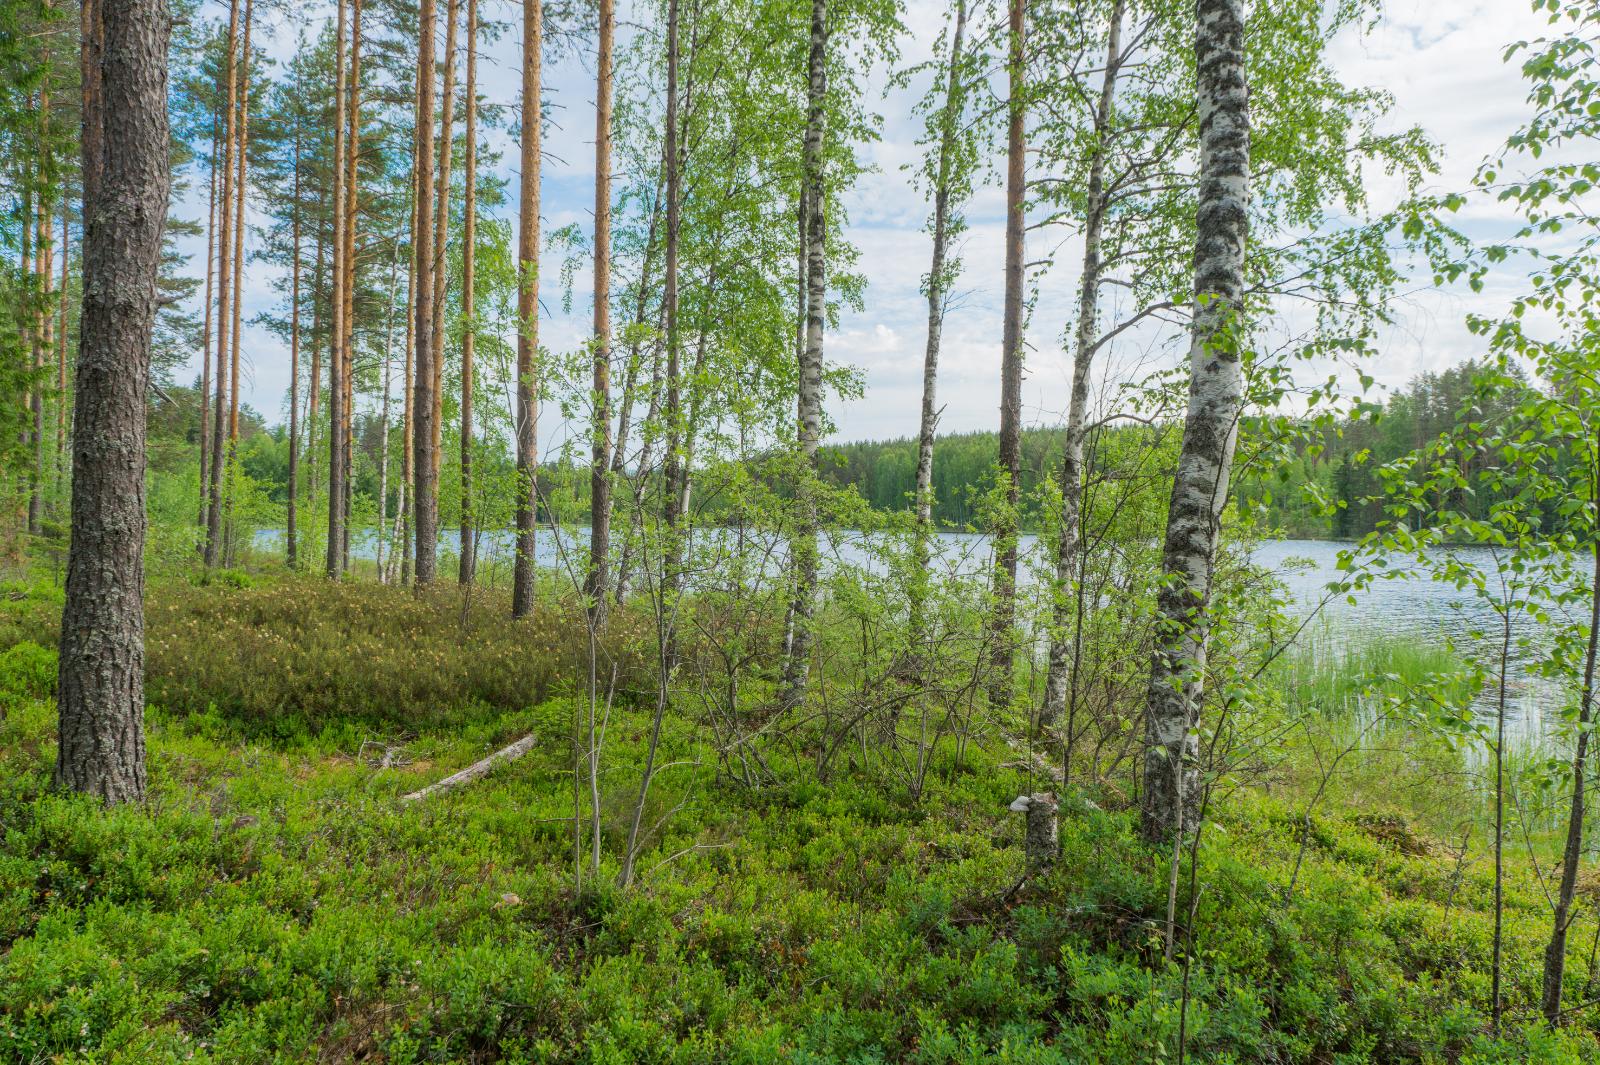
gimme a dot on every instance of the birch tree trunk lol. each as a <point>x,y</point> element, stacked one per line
<point>527,413</point>
<point>425,489</point>
<point>673,470</point>
<point>630,385</point>
<point>938,285</point>
<point>1068,543</point>
<point>1555,954</point>
<point>600,467</point>
<point>469,237</point>
<point>804,548</point>
<point>126,184</point>
<point>1002,623</point>
<point>1210,430</point>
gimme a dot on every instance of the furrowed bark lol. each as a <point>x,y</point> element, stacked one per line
<point>352,193</point>
<point>1210,431</point>
<point>224,295</point>
<point>205,328</point>
<point>469,236</point>
<point>242,160</point>
<point>125,145</point>
<point>292,510</point>
<point>527,413</point>
<point>62,398</point>
<point>425,497</point>
<point>441,230</point>
<point>333,559</point>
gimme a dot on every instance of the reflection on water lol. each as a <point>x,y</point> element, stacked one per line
<point>1414,608</point>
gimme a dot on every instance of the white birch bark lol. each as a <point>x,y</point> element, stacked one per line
<point>937,291</point>
<point>798,667</point>
<point>1210,431</point>
<point>1084,345</point>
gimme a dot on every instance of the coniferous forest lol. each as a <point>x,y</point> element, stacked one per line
<point>862,531</point>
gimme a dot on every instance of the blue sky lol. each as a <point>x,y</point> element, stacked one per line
<point>1442,62</point>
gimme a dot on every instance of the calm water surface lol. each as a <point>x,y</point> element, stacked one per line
<point>1409,608</point>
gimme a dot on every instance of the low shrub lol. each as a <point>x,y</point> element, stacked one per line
<point>302,655</point>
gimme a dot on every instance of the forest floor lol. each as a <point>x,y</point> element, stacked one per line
<point>276,901</point>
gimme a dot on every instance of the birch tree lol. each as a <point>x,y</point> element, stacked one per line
<point>1210,431</point>
<point>804,549</point>
<point>1084,346</point>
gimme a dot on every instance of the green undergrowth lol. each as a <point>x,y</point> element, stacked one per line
<point>275,901</point>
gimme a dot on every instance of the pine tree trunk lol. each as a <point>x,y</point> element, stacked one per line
<point>231,470</point>
<point>62,399</point>
<point>126,183</point>
<point>294,368</point>
<point>1067,544</point>
<point>352,193</point>
<point>1210,431</point>
<point>469,237</point>
<point>527,413</point>
<point>937,290</point>
<point>1002,625</point>
<point>41,334</point>
<point>334,556</point>
<point>402,523</point>
<point>26,267</point>
<point>383,421</point>
<point>425,497</point>
<point>314,377</point>
<point>804,550</point>
<point>441,227</point>
<point>600,467</point>
<point>205,329</point>
<point>213,551</point>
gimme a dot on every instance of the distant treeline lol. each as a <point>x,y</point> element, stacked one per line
<point>1342,461</point>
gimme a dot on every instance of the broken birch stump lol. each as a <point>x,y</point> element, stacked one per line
<point>1039,838</point>
<point>475,770</point>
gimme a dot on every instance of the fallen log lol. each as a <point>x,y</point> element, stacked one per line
<point>475,770</point>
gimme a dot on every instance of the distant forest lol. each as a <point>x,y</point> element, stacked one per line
<point>1339,464</point>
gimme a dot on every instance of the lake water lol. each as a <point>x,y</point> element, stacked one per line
<point>1412,608</point>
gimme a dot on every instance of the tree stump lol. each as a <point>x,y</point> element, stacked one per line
<point>1040,835</point>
